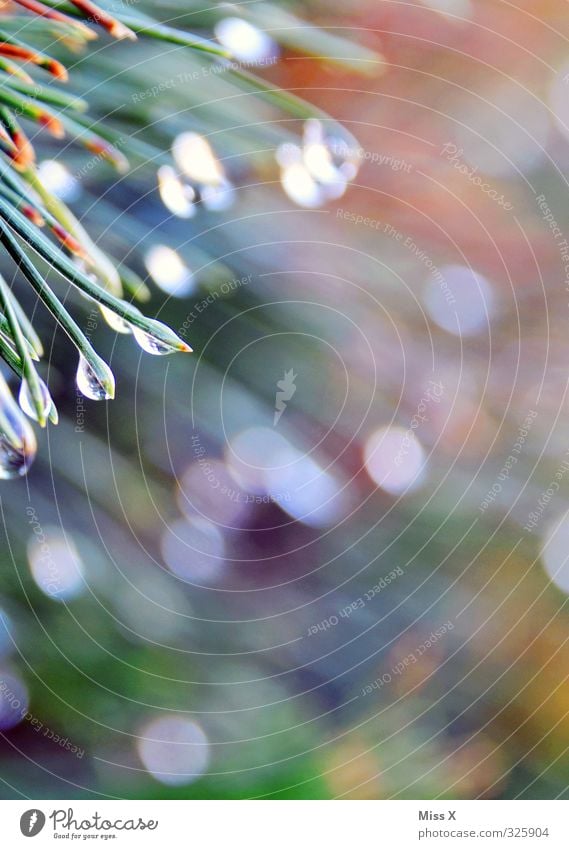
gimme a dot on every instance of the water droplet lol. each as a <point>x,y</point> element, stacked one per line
<point>246,42</point>
<point>151,344</point>
<point>218,198</point>
<point>169,271</point>
<point>194,156</point>
<point>301,187</point>
<point>90,384</point>
<point>318,161</point>
<point>17,451</point>
<point>26,402</point>
<point>58,179</point>
<point>317,172</point>
<point>116,322</point>
<point>177,196</point>
<point>313,131</point>
<point>347,157</point>
<point>331,160</point>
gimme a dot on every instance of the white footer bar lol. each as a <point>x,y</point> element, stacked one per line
<point>277,824</point>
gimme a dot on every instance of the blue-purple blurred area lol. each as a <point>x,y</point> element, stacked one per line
<point>302,561</point>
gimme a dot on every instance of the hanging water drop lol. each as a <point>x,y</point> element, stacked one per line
<point>91,385</point>
<point>301,187</point>
<point>115,321</point>
<point>316,153</point>
<point>26,402</point>
<point>18,444</point>
<point>151,344</point>
<point>330,160</point>
<point>346,156</point>
<point>158,339</point>
<point>15,460</point>
<point>316,172</point>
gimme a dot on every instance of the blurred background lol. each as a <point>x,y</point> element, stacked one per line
<point>325,555</point>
